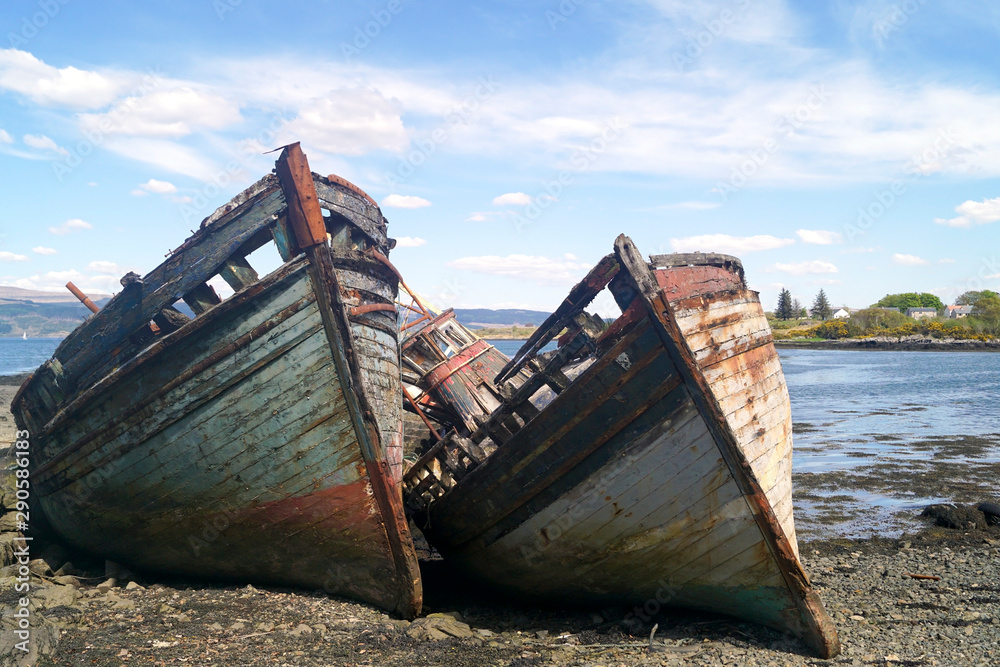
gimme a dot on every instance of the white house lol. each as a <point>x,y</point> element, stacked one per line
<point>841,314</point>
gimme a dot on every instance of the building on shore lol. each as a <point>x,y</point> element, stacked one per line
<point>921,313</point>
<point>957,312</point>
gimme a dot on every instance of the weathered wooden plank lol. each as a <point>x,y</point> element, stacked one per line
<point>336,198</point>
<point>284,239</point>
<point>725,336</point>
<point>162,428</point>
<point>201,298</point>
<point>532,466</point>
<point>282,294</point>
<point>629,481</point>
<point>238,273</point>
<point>747,399</point>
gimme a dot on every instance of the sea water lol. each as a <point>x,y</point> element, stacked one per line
<point>18,355</point>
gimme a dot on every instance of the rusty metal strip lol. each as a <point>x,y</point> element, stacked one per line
<point>304,212</point>
<point>372,308</point>
<point>333,178</point>
<point>819,631</point>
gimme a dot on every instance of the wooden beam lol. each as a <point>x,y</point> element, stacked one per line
<point>201,298</point>
<point>304,212</point>
<point>238,273</point>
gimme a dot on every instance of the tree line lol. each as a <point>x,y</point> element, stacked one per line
<point>789,307</point>
<point>985,304</point>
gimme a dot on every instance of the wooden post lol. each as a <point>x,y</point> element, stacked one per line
<point>304,213</point>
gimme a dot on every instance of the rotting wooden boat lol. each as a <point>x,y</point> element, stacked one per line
<point>647,462</point>
<point>260,440</point>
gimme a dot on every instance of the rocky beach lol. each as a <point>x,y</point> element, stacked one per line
<point>928,597</point>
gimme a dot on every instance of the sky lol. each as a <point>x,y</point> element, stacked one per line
<point>849,146</point>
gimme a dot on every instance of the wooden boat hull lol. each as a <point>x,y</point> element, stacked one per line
<point>238,447</point>
<point>654,477</point>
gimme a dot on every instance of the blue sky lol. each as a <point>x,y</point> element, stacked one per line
<point>848,146</point>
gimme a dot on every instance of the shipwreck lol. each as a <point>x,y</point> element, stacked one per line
<point>648,459</point>
<point>259,440</point>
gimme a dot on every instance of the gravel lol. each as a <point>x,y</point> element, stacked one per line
<point>884,615</point>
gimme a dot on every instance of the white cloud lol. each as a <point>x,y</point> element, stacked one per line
<point>5,138</point>
<point>101,266</point>
<point>55,281</point>
<point>165,113</point>
<point>512,199</point>
<point>153,185</point>
<point>908,260</point>
<point>44,143</point>
<point>973,213</point>
<point>169,156</point>
<point>405,201</point>
<point>42,250</point>
<point>49,86</point>
<point>69,226</point>
<point>526,267</point>
<point>483,216</point>
<point>728,244</point>
<point>410,242</point>
<point>6,256</point>
<point>349,121</point>
<point>818,236</point>
<point>806,268</point>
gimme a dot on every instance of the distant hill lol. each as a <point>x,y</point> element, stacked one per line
<point>8,293</point>
<point>477,318</point>
<point>41,313</point>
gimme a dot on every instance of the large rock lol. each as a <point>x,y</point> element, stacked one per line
<point>956,517</point>
<point>55,596</point>
<point>436,627</point>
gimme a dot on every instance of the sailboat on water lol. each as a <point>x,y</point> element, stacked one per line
<point>24,335</point>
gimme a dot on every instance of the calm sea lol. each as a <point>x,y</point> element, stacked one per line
<point>21,356</point>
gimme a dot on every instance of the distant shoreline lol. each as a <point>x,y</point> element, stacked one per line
<point>501,337</point>
<point>878,344</point>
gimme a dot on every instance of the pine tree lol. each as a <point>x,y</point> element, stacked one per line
<point>821,306</point>
<point>797,308</point>
<point>784,309</point>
